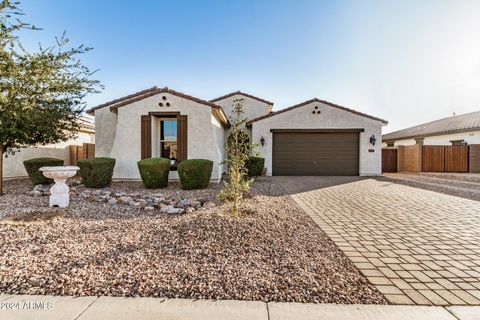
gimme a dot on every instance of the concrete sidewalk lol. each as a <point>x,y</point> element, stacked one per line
<point>119,308</point>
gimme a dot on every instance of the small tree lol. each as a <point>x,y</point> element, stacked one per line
<point>41,93</point>
<point>238,149</point>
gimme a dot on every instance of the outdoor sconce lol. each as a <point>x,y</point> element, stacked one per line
<point>262,141</point>
<point>373,140</point>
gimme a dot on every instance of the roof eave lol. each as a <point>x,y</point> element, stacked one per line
<point>432,134</point>
<point>228,95</point>
<point>91,111</point>
<point>118,103</point>
<point>220,115</point>
<point>271,114</point>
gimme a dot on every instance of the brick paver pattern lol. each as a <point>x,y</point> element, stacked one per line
<point>414,245</point>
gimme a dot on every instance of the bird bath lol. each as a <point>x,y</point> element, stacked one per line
<point>59,196</point>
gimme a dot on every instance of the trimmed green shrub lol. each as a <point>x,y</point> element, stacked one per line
<point>195,173</point>
<point>255,166</point>
<point>154,172</point>
<point>35,175</point>
<point>96,172</point>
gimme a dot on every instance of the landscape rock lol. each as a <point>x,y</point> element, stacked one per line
<point>171,210</point>
<point>209,205</point>
<point>125,199</point>
<point>172,203</point>
<point>134,204</point>
<point>195,204</point>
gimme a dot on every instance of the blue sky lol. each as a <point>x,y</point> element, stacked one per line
<point>404,61</point>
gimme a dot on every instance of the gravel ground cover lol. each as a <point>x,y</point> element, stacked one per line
<point>470,177</point>
<point>464,187</point>
<point>274,252</point>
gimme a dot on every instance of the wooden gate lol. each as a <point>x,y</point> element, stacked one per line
<point>456,159</point>
<point>433,158</point>
<point>445,158</point>
<point>389,160</point>
<point>85,151</point>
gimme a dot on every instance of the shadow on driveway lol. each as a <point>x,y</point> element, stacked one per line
<point>299,184</point>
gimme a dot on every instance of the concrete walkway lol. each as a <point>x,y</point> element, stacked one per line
<point>118,308</point>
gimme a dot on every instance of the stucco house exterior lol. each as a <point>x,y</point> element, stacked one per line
<point>454,130</point>
<point>13,164</point>
<point>315,137</point>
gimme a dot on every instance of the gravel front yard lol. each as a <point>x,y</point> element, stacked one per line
<point>464,186</point>
<point>272,253</point>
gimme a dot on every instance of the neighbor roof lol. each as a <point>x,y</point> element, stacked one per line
<point>243,94</point>
<point>126,100</point>
<point>86,123</point>
<point>271,114</point>
<point>460,123</point>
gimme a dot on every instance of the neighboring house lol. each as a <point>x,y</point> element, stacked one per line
<point>13,164</point>
<point>455,130</point>
<point>313,138</point>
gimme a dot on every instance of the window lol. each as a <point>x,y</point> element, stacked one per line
<point>168,139</point>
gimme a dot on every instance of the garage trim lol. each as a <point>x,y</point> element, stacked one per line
<point>316,130</point>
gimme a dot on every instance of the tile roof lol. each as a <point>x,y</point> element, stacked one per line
<point>86,123</point>
<point>271,114</point>
<point>126,100</point>
<point>243,94</point>
<point>457,123</point>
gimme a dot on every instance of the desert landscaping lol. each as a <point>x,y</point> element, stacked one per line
<point>274,252</point>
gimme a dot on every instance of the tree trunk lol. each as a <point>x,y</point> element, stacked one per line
<point>1,171</point>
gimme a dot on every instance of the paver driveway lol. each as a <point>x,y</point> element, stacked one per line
<point>416,246</point>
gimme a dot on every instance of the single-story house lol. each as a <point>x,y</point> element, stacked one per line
<point>456,130</point>
<point>13,164</point>
<point>315,137</point>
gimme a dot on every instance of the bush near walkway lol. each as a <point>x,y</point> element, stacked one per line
<point>195,173</point>
<point>33,165</point>
<point>154,172</point>
<point>96,172</point>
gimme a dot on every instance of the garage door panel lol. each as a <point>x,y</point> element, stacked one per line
<point>333,153</point>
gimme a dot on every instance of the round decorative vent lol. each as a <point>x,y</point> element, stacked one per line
<point>164,97</point>
<point>160,104</point>
<point>168,104</point>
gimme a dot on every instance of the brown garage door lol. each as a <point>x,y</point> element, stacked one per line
<point>305,153</point>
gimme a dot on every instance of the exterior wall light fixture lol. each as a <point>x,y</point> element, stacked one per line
<point>262,141</point>
<point>373,139</point>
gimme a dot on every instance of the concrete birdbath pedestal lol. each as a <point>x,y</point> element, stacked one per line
<point>59,196</point>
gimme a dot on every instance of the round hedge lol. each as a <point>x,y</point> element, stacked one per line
<point>35,175</point>
<point>154,172</point>
<point>96,172</point>
<point>195,173</point>
<point>255,166</point>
